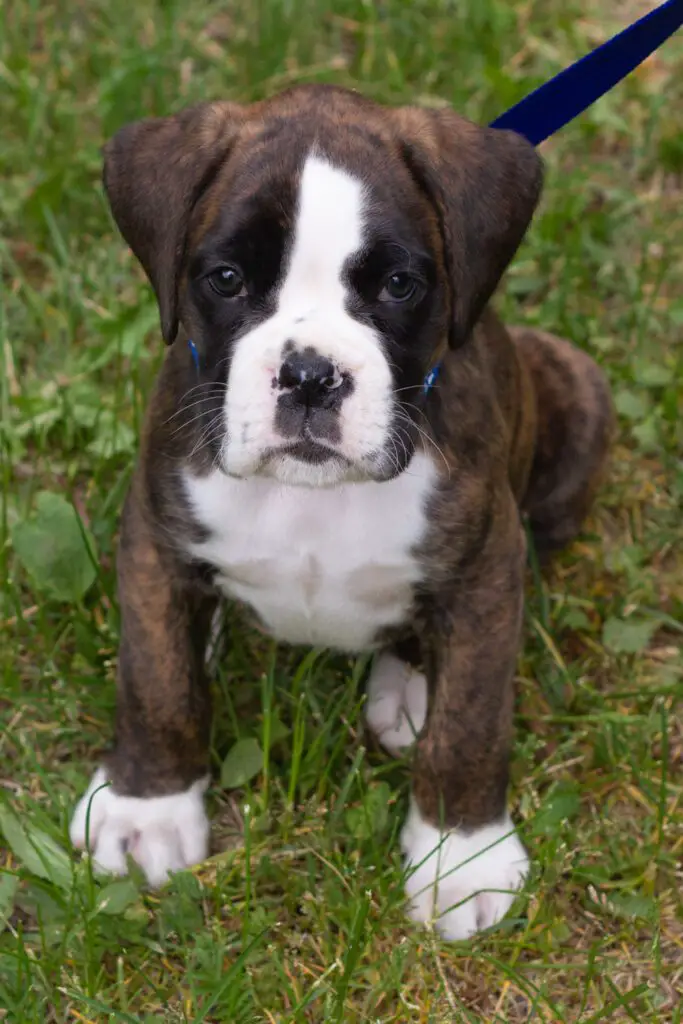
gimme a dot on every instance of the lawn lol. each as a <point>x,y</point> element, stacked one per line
<point>298,916</point>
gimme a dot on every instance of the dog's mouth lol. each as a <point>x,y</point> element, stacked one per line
<point>308,450</point>
<point>309,462</point>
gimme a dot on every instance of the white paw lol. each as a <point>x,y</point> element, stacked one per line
<point>464,882</point>
<point>162,833</point>
<point>397,703</point>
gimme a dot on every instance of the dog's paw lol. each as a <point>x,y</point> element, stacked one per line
<point>397,703</point>
<point>463,882</point>
<point>162,834</point>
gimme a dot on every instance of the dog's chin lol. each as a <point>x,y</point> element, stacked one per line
<point>308,463</point>
<point>294,472</point>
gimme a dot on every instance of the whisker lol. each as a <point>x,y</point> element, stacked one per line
<point>191,405</point>
<point>393,459</point>
<point>413,387</point>
<point>205,438</point>
<point>423,433</point>
<point>194,419</point>
<point>402,441</point>
<point>184,405</point>
<point>214,385</point>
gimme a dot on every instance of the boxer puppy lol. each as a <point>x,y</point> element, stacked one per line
<point>348,447</point>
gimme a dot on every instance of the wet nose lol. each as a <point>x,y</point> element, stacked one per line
<point>311,379</point>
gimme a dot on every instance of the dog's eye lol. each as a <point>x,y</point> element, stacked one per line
<point>399,287</point>
<point>227,282</point>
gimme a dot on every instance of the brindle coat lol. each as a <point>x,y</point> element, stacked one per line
<point>522,418</point>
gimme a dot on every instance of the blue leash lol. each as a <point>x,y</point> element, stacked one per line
<point>554,104</point>
<point>557,102</point>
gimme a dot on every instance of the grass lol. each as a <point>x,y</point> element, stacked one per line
<point>297,917</point>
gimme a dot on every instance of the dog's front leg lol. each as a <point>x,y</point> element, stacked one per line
<point>464,858</point>
<point>152,803</point>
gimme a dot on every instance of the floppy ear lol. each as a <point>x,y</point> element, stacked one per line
<point>154,173</point>
<point>485,184</point>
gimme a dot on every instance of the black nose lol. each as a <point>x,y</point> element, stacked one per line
<point>311,379</point>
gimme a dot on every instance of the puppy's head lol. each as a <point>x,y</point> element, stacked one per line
<point>322,252</point>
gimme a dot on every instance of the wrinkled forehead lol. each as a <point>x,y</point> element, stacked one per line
<point>332,174</point>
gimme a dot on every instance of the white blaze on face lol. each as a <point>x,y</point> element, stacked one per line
<point>311,311</point>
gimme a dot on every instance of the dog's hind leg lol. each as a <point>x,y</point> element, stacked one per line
<point>575,425</point>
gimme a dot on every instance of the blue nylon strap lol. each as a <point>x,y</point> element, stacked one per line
<point>554,104</point>
<point>194,353</point>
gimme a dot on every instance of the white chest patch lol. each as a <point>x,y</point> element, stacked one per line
<point>327,567</point>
